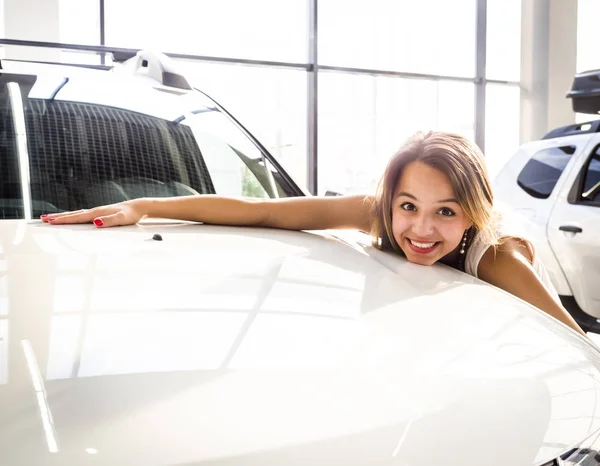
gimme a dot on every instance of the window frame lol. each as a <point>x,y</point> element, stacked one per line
<point>576,191</point>
<point>529,191</point>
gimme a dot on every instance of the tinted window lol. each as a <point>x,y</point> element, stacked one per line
<point>541,173</point>
<point>591,181</point>
<point>82,155</point>
<point>85,155</point>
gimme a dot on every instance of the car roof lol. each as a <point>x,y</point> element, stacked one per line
<point>147,83</point>
<point>588,127</point>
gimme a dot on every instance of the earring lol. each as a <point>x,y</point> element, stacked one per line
<point>464,242</point>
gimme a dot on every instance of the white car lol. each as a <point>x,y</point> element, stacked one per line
<point>554,184</point>
<point>180,344</point>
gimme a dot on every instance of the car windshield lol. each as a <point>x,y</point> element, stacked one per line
<point>59,155</point>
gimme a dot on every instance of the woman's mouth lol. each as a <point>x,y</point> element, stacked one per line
<point>422,247</point>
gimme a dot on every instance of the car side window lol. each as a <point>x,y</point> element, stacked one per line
<point>541,173</point>
<point>591,181</point>
<point>237,167</point>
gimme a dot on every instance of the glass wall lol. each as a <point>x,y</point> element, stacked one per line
<point>501,124</point>
<point>385,69</point>
<point>433,36</point>
<point>503,63</point>
<point>503,41</point>
<point>364,119</point>
<point>262,29</point>
<point>588,12</point>
<point>65,21</point>
<point>79,24</point>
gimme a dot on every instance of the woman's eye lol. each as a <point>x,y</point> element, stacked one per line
<point>408,206</point>
<point>447,212</point>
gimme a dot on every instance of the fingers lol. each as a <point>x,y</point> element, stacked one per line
<point>105,216</point>
<point>111,220</point>
<point>79,216</point>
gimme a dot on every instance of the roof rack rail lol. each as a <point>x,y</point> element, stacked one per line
<point>571,130</point>
<point>156,65</point>
<point>56,63</point>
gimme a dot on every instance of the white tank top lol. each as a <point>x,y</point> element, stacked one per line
<point>478,248</point>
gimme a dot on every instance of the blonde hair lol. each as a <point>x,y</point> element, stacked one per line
<point>464,165</point>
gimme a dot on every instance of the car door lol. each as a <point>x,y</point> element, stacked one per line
<point>574,230</point>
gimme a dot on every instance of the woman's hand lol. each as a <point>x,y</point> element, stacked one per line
<point>123,213</point>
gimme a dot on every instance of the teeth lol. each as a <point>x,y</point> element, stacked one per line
<point>422,245</point>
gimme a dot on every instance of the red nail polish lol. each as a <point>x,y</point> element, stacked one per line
<point>98,222</point>
<point>51,219</point>
<point>44,215</point>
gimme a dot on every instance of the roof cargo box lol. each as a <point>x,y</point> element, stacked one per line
<point>585,92</point>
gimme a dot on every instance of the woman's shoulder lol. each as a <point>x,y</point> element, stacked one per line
<point>510,247</point>
<point>509,233</point>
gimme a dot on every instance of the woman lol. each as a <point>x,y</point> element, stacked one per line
<point>433,203</point>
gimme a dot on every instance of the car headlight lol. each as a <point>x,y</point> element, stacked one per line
<point>586,454</point>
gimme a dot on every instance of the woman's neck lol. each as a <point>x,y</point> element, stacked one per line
<point>452,258</point>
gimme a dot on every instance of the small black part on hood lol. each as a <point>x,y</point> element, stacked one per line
<point>157,237</point>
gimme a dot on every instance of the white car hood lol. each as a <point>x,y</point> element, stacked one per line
<point>239,346</point>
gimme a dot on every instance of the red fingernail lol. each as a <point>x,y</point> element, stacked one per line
<point>44,215</point>
<point>51,219</point>
<point>98,222</point>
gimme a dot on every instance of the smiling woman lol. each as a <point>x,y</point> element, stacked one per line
<point>435,191</point>
<point>434,203</point>
<point>427,224</point>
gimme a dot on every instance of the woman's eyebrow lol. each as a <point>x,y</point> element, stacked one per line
<point>405,194</point>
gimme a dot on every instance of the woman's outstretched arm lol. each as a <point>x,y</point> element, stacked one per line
<point>297,213</point>
<point>509,267</point>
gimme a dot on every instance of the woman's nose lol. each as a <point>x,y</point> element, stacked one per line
<point>423,226</point>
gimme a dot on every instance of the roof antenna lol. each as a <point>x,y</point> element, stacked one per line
<point>159,67</point>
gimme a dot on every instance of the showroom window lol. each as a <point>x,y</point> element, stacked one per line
<point>588,12</point>
<point>502,107</point>
<point>541,173</point>
<point>363,121</point>
<point>503,61</point>
<point>434,37</point>
<point>332,111</point>
<point>261,29</point>
<point>79,24</point>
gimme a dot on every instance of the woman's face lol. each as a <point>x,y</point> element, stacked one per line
<point>427,221</point>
